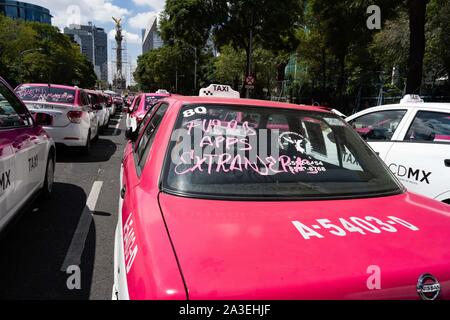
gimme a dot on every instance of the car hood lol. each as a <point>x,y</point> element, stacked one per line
<point>254,250</point>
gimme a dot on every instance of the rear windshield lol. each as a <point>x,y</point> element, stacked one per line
<point>46,94</point>
<point>250,152</point>
<point>150,101</point>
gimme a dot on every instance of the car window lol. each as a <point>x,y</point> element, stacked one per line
<point>276,153</point>
<point>430,126</point>
<point>137,103</point>
<point>12,112</point>
<point>146,141</point>
<point>46,93</point>
<point>142,124</point>
<point>150,101</point>
<point>378,126</point>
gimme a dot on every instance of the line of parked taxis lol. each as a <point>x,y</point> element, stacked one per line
<point>33,120</point>
<point>229,198</point>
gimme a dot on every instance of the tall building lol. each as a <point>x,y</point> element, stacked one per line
<point>25,11</point>
<point>93,42</point>
<point>150,37</point>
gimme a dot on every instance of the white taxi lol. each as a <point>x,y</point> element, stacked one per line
<point>413,138</point>
<point>27,155</point>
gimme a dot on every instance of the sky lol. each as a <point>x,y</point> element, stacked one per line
<point>136,15</point>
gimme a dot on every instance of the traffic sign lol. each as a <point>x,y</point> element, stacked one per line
<point>250,81</point>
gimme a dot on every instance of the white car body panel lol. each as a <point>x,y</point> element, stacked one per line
<point>7,181</point>
<point>27,169</point>
<point>420,166</point>
<point>63,131</point>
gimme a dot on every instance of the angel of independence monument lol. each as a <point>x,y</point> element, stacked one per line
<point>119,82</point>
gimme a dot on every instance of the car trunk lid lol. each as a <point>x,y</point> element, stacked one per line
<point>258,250</point>
<point>57,110</point>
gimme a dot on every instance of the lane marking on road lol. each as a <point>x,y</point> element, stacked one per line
<point>73,256</point>
<point>116,128</point>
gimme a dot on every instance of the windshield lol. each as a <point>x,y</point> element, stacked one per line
<point>150,101</point>
<point>46,94</point>
<point>247,152</point>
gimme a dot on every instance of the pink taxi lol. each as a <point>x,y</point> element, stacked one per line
<point>227,198</point>
<point>141,104</point>
<point>75,123</point>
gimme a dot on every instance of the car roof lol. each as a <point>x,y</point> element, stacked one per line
<point>157,94</point>
<point>93,92</point>
<point>417,106</point>
<point>58,86</point>
<point>423,105</point>
<point>243,102</point>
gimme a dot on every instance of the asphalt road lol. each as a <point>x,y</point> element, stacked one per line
<point>74,228</point>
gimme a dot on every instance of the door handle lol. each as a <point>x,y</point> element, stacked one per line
<point>123,192</point>
<point>447,162</point>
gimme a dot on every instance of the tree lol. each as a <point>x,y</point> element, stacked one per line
<point>269,24</point>
<point>437,52</point>
<point>229,66</point>
<point>417,13</point>
<point>170,67</point>
<point>36,52</point>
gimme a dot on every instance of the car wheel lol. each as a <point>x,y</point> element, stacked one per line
<point>87,148</point>
<point>49,177</point>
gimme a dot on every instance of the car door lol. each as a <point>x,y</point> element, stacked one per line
<point>380,127</point>
<point>421,157</point>
<point>7,163</point>
<point>28,146</point>
<point>134,160</point>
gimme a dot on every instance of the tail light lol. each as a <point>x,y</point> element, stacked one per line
<point>75,116</point>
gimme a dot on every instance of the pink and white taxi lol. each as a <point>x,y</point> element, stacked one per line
<point>236,199</point>
<point>27,155</point>
<point>141,106</point>
<point>75,123</point>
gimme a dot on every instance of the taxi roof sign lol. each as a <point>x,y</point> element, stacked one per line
<point>219,90</point>
<point>411,98</point>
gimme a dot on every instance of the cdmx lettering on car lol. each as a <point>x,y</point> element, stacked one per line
<point>5,180</point>
<point>418,175</point>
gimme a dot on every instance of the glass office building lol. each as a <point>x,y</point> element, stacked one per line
<point>25,11</point>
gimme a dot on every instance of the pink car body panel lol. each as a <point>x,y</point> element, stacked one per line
<point>251,250</point>
<point>215,249</point>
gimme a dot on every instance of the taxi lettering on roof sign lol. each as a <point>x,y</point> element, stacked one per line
<point>412,98</point>
<point>217,90</point>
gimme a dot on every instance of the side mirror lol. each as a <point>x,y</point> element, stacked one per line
<point>43,119</point>
<point>131,135</point>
